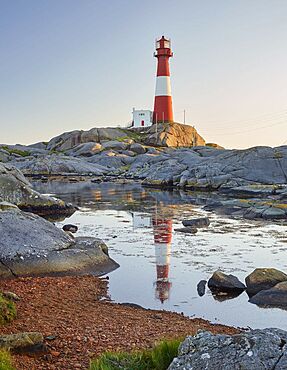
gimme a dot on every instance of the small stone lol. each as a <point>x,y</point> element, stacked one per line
<point>11,296</point>
<point>71,228</point>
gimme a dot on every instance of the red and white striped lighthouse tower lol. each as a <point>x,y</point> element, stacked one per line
<point>163,101</point>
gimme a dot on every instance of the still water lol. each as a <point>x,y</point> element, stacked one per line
<point>160,267</point>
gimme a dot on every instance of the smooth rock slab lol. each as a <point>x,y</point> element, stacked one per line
<point>263,278</point>
<point>225,283</point>
<point>255,350</point>
<point>274,297</point>
<point>32,246</point>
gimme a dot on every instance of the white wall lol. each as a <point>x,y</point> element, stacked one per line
<point>142,118</point>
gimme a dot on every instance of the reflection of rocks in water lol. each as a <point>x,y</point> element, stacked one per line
<point>273,297</point>
<point>225,296</point>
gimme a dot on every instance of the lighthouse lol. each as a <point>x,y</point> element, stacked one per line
<point>163,101</point>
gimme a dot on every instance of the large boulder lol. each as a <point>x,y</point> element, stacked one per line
<point>71,139</point>
<point>115,145</point>
<point>30,245</point>
<point>225,283</point>
<point>173,135</point>
<point>85,149</point>
<point>263,278</point>
<point>14,188</point>
<point>273,297</point>
<point>257,350</point>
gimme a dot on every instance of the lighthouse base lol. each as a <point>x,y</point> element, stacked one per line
<point>173,134</point>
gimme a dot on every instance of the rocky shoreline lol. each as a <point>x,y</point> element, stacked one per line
<point>78,322</point>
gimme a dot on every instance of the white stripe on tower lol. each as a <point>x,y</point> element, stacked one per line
<point>163,87</point>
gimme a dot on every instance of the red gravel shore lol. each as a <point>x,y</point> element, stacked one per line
<point>71,309</point>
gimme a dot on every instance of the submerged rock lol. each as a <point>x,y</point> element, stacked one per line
<point>263,278</point>
<point>257,350</point>
<point>187,230</point>
<point>197,222</point>
<point>225,283</point>
<point>273,297</point>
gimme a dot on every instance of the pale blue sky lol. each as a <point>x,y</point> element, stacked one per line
<point>77,64</point>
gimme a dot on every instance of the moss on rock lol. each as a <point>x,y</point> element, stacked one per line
<point>7,310</point>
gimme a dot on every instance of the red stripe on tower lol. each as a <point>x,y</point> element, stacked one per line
<point>163,102</point>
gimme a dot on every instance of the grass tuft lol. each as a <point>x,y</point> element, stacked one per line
<point>6,361</point>
<point>7,310</point>
<point>158,358</point>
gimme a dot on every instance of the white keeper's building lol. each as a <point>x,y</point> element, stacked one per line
<point>142,118</point>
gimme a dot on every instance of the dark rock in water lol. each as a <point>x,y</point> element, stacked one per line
<point>187,230</point>
<point>273,297</point>
<point>71,228</point>
<point>263,278</point>
<point>197,222</point>
<point>225,283</point>
<point>254,350</point>
<point>201,287</point>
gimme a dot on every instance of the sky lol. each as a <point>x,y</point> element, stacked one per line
<point>78,64</point>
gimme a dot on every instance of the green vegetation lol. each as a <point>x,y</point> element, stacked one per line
<point>158,358</point>
<point>22,153</point>
<point>7,310</point>
<point>5,361</point>
<point>131,134</point>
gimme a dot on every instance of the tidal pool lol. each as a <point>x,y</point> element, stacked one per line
<point>160,267</point>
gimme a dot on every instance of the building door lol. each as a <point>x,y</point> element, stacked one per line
<point>142,122</point>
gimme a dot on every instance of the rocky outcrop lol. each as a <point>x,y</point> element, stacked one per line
<point>211,169</point>
<point>56,164</point>
<point>173,135</point>
<point>15,189</point>
<point>71,139</point>
<point>30,245</point>
<point>258,349</point>
<point>263,278</point>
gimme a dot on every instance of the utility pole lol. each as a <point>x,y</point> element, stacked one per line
<point>156,123</point>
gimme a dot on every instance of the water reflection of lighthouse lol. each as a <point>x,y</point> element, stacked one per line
<point>162,228</point>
